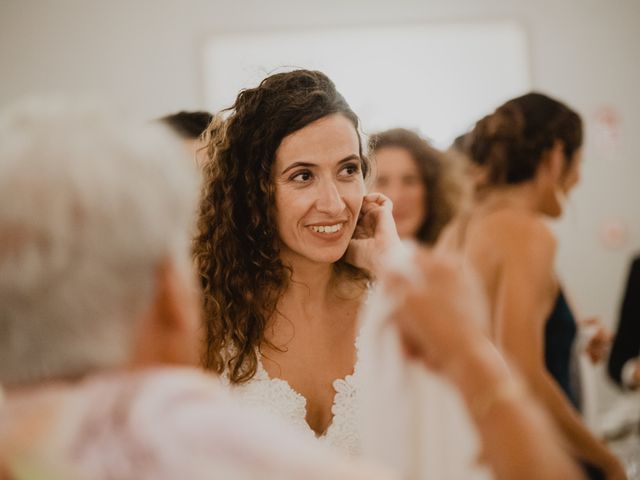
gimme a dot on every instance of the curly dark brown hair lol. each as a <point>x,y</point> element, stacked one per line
<point>236,248</point>
<point>440,206</point>
<point>509,144</point>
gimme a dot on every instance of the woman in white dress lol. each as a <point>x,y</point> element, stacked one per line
<point>285,251</point>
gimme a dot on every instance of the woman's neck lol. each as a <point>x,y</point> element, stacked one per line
<point>312,283</point>
<point>315,289</point>
<point>523,196</point>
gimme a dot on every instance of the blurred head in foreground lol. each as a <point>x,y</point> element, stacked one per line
<point>95,214</point>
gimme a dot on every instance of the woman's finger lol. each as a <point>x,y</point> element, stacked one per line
<point>377,199</point>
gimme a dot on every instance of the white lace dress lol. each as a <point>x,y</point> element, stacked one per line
<point>276,397</point>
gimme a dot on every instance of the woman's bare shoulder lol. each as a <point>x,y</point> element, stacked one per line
<point>516,227</point>
<point>508,232</point>
<point>520,232</point>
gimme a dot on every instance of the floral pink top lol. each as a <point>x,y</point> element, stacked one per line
<point>159,424</point>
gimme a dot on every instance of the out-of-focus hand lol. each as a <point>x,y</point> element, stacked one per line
<point>599,342</point>
<point>374,235</point>
<point>445,315</point>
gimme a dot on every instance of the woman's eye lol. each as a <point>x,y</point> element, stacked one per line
<point>350,169</point>
<point>302,177</point>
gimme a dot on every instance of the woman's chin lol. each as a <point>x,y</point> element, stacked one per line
<point>552,210</point>
<point>320,256</point>
<point>331,257</point>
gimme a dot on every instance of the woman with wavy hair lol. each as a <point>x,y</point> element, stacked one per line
<point>284,207</point>
<point>529,150</point>
<point>414,176</point>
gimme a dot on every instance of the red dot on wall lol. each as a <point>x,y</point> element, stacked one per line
<point>614,233</point>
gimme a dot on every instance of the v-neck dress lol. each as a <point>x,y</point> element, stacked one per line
<point>276,397</point>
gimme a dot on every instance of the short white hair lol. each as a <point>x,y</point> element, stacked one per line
<point>90,204</point>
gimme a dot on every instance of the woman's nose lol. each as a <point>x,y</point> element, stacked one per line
<point>329,199</point>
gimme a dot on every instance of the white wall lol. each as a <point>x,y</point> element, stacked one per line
<point>148,53</point>
<point>463,70</point>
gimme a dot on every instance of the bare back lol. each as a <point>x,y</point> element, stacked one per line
<point>511,249</point>
<point>513,252</point>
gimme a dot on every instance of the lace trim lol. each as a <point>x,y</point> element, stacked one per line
<point>343,429</point>
<point>277,397</point>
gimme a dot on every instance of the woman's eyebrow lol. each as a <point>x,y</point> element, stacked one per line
<point>349,158</point>
<point>298,164</point>
<point>311,165</point>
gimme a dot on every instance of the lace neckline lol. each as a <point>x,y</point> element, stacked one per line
<point>342,387</point>
<point>276,396</point>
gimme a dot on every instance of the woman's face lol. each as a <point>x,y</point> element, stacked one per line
<point>319,188</point>
<point>562,181</point>
<point>572,176</point>
<point>399,179</point>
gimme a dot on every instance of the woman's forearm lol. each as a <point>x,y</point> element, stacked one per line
<point>579,438</point>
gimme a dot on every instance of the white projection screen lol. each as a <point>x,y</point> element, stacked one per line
<point>435,78</point>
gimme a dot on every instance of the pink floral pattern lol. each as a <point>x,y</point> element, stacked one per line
<point>161,424</point>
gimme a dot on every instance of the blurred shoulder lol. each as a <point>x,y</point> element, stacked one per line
<point>520,231</point>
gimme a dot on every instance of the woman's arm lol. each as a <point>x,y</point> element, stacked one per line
<point>517,436</point>
<point>526,290</point>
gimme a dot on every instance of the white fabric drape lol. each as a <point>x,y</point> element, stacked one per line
<point>412,421</point>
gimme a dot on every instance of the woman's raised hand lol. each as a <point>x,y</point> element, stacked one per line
<point>443,315</point>
<point>374,235</point>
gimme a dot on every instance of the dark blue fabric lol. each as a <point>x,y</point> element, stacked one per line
<point>559,335</point>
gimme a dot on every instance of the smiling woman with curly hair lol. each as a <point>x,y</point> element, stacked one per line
<point>284,191</point>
